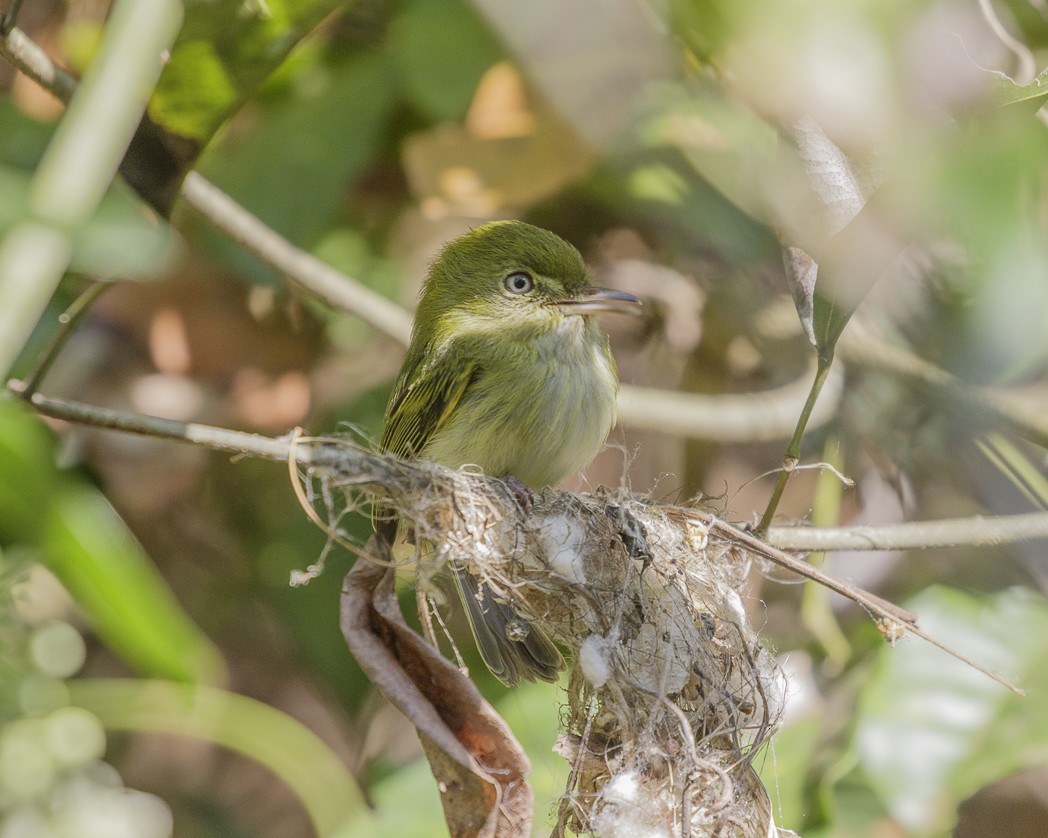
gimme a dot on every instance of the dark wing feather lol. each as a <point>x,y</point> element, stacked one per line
<point>430,387</point>
<point>427,393</point>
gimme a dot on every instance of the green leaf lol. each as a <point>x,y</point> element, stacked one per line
<point>196,90</point>
<point>931,730</point>
<point>1024,97</point>
<point>783,767</point>
<point>340,122</point>
<point>423,818</point>
<point>441,50</point>
<point>274,739</point>
<point>533,712</point>
<point>225,50</point>
<point>854,259</point>
<point>89,548</point>
<point>28,474</point>
<point>124,240</point>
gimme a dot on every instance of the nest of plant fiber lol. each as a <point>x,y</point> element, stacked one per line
<point>670,694</point>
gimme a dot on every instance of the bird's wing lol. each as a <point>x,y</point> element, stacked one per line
<point>427,393</point>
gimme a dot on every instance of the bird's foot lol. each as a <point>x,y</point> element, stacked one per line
<point>524,495</point>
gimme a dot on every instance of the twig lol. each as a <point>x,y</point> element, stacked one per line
<point>9,17</point>
<point>67,321</point>
<point>1027,64</point>
<point>27,56</point>
<point>217,439</point>
<point>791,457</point>
<point>888,611</point>
<point>764,416</point>
<point>977,531</point>
<point>321,280</point>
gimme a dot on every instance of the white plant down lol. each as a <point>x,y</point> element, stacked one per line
<point>564,542</point>
<point>595,658</point>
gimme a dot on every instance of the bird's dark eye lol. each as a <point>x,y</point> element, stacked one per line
<point>518,282</point>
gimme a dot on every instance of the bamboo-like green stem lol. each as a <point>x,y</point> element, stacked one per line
<point>80,161</point>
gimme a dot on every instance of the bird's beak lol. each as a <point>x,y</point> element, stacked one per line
<point>601,301</point>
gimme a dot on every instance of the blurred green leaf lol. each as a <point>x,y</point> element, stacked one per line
<point>22,139</point>
<point>122,240</point>
<point>422,818</point>
<point>196,90</point>
<point>1027,98</point>
<point>930,730</point>
<point>727,145</point>
<point>341,122</point>
<point>785,764</point>
<point>854,259</point>
<point>294,168</point>
<point>28,474</point>
<point>533,712</point>
<point>272,738</point>
<point>225,50</point>
<point>441,50</point>
<point>89,548</point>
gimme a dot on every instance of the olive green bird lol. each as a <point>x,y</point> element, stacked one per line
<point>507,370</point>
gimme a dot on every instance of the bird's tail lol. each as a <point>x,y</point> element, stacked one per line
<point>511,647</point>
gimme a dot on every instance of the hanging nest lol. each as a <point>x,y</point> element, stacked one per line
<point>670,694</point>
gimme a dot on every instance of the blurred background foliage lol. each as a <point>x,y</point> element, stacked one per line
<point>157,671</point>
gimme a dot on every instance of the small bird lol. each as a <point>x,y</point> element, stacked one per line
<point>507,370</point>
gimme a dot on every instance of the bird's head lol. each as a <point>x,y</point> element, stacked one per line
<point>508,277</point>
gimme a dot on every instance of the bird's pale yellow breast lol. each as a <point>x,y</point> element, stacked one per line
<point>540,417</point>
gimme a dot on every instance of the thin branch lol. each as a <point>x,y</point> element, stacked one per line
<point>320,279</point>
<point>67,322</point>
<point>977,531</point>
<point>217,439</point>
<point>763,416</point>
<point>893,616</point>
<point>30,59</point>
<point>792,455</point>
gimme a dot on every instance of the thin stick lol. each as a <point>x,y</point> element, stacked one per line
<point>872,603</point>
<point>218,439</point>
<point>792,454</point>
<point>977,531</point>
<point>67,323</point>
<point>320,279</point>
